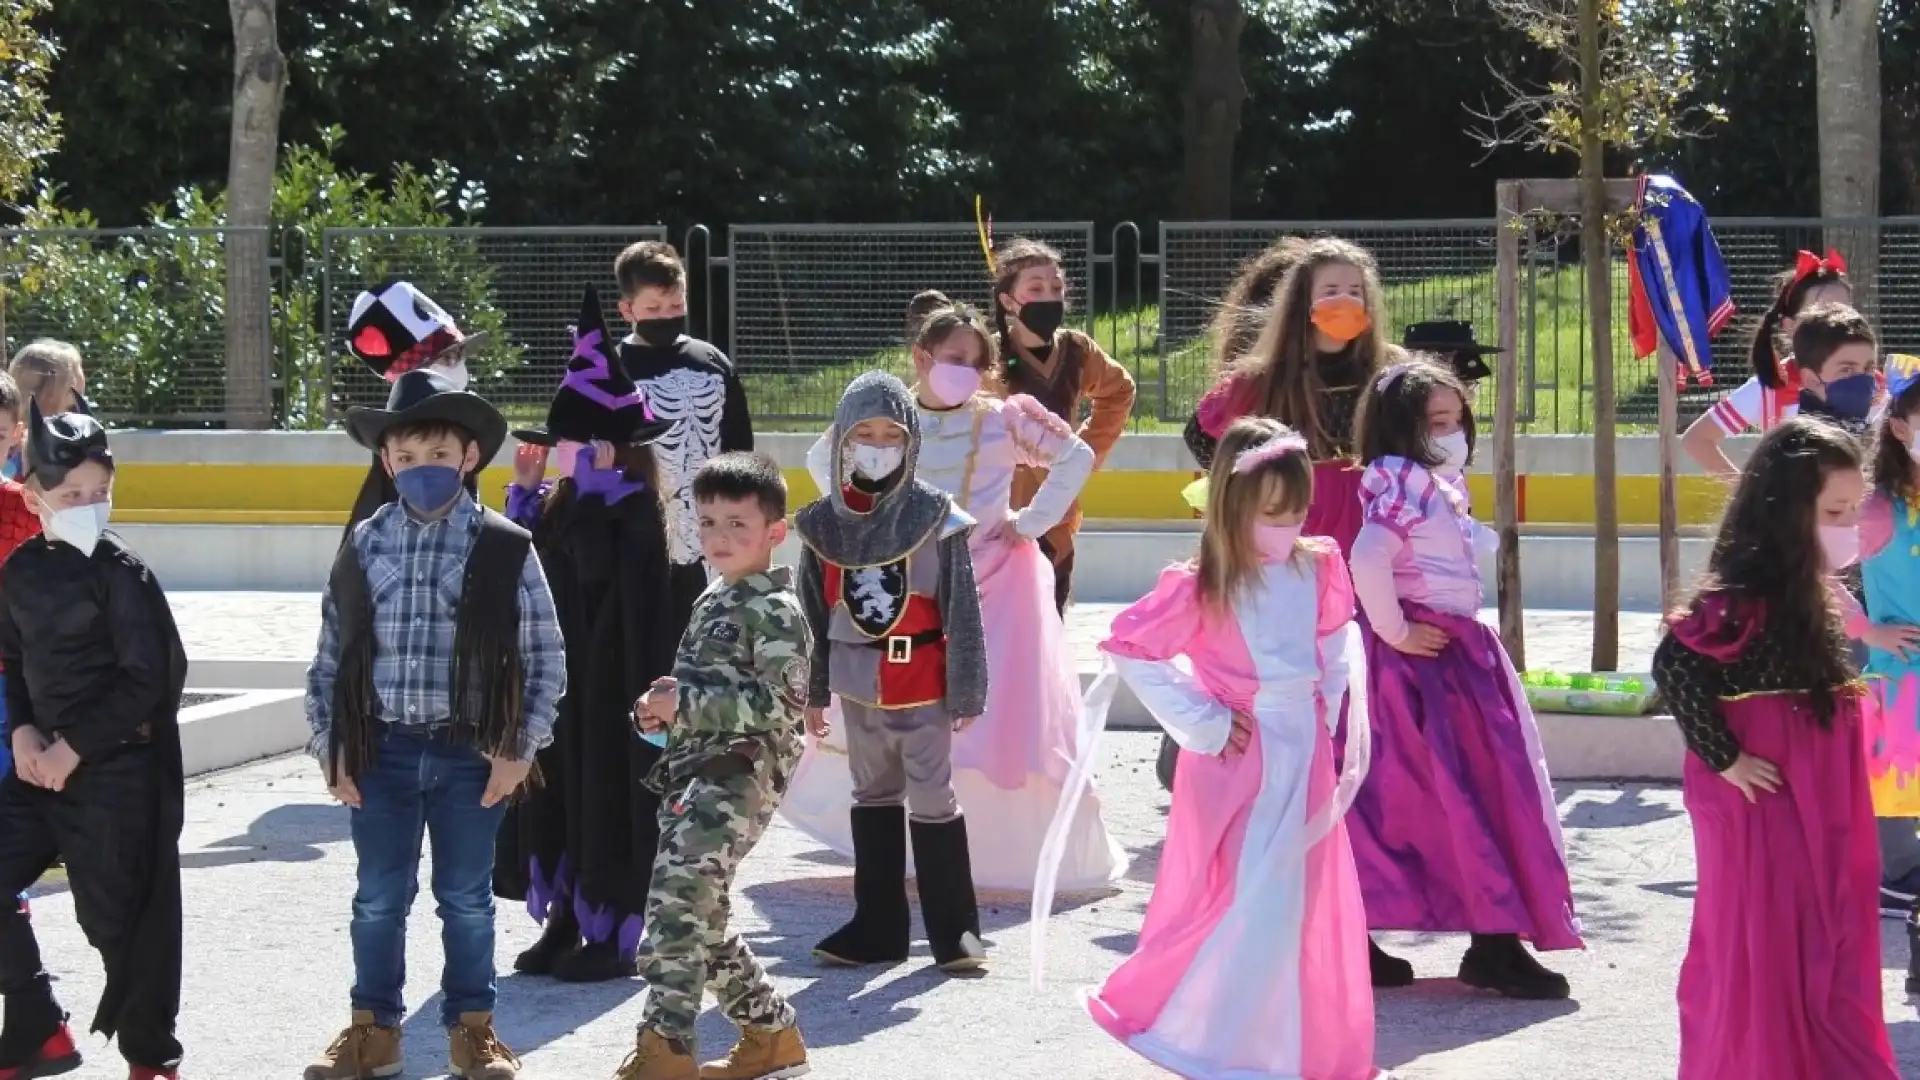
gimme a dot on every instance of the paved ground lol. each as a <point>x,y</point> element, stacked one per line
<point>270,872</point>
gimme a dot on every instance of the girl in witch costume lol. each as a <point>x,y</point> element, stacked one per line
<point>886,580</point>
<point>580,849</point>
<point>95,670</point>
<point>1061,369</point>
<point>394,330</point>
<point>1321,347</point>
<point>1782,975</point>
<point>1457,828</point>
<point>1008,769</point>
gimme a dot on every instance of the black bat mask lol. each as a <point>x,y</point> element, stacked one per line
<point>58,444</point>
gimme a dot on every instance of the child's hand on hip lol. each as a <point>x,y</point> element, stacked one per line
<point>1751,774</point>
<point>1238,736</point>
<point>1899,639</point>
<point>1422,640</point>
<point>507,777</point>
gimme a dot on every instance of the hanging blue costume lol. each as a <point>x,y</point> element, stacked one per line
<point>1678,286</point>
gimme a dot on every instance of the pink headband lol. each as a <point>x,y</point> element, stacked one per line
<point>1276,447</point>
<point>1387,377</point>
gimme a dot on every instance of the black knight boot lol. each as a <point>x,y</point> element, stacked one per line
<point>1387,969</point>
<point>944,870</point>
<point>560,937</point>
<point>1499,962</point>
<point>881,930</point>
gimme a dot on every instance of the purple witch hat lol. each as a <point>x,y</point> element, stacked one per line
<point>596,400</point>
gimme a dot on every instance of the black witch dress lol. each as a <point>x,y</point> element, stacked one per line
<point>580,847</point>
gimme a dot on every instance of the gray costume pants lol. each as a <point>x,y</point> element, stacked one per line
<point>902,756</point>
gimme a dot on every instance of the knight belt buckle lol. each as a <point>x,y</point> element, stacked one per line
<point>899,649</point>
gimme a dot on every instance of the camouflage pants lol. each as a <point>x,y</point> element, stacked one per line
<point>705,831</point>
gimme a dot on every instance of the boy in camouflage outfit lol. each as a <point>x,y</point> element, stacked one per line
<point>732,711</point>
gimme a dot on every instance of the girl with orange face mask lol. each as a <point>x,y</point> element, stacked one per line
<point>1322,345</point>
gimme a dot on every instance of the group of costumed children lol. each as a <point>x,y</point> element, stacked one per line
<point>594,702</point>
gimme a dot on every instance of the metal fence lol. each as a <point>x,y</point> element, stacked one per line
<point>802,308</point>
<point>147,308</point>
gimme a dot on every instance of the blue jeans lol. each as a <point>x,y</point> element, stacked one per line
<point>417,787</point>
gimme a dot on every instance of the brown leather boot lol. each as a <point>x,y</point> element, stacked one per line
<point>362,1052</point>
<point>474,1052</point>
<point>761,1054</point>
<point>656,1057</point>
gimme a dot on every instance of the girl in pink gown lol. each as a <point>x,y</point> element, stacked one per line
<point>1252,963</point>
<point>1782,975</point>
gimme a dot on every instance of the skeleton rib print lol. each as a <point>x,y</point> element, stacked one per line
<point>694,400</point>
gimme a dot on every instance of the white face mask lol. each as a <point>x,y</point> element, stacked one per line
<point>876,462</point>
<point>80,526</point>
<point>1453,451</point>
<point>1841,543</point>
<point>1914,449</point>
<point>455,373</point>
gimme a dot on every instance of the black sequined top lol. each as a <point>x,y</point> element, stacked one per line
<point>1694,684</point>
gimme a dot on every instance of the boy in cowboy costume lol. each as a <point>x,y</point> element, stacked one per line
<point>886,580</point>
<point>393,330</point>
<point>95,670</point>
<point>439,667</point>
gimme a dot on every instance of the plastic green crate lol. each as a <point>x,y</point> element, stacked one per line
<point>1583,693</point>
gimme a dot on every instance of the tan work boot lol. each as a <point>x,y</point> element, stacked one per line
<point>656,1057</point>
<point>362,1052</point>
<point>474,1052</point>
<point>761,1054</point>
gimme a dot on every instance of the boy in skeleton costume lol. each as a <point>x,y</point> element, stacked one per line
<point>887,583</point>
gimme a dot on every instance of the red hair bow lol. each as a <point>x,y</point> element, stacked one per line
<point>1807,264</point>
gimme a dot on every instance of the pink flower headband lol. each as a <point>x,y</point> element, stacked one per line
<point>1388,376</point>
<point>1276,447</point>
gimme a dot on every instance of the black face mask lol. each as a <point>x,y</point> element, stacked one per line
<point>660,333</point>
<point>1043,317</point>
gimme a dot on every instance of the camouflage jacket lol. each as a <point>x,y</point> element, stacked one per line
<point>742,674</point>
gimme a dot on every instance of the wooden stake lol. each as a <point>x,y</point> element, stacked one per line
<point>1669,477</point>
<point>1506,415</point>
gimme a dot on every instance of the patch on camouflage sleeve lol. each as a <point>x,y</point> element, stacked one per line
<point>723,630</point>
<point>793,682</point>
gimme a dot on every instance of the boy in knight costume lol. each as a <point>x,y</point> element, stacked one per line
<point>436,679</point>
<point>887,583</point>
<point>95,670</point>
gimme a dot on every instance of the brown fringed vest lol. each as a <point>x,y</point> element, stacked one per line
<point>488,678</point>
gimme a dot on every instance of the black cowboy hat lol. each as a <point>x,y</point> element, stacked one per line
<point>426,396</point>
<point>597,400</point>
<point>61,443</point>
<point>1454,338</point>
<point>396,328</point>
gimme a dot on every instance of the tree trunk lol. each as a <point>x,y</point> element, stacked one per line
<point>259,80</point>
<point>1214,95</point>
<point>1846,51</point>
<point>1597,255</point>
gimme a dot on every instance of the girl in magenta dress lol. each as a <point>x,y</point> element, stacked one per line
<point>1322,345</point>
<point>1782,975</point>
<point>1457,830</point>
<point>1252,963</point>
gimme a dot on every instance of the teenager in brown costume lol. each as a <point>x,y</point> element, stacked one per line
<point>1062,369</point>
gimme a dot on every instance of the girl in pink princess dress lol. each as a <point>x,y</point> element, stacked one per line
<point>1458,830</point>
<point>1008,766</point>
<point>1252,962</point>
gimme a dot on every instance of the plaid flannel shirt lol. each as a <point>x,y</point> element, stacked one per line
<point>414,573</point>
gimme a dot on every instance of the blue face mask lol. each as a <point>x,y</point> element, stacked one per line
<point>10,468</point>
<point>1852,397</point>
<point>427,488</point>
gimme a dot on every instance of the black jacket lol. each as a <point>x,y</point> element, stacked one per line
<point>90,648</point>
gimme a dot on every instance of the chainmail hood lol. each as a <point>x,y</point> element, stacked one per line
<point>904,514</point>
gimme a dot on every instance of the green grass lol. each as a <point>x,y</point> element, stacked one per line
<point>1562,368</point>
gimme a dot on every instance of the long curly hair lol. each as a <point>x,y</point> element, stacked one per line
<point>1768,549</point>
<point>1244,310</point>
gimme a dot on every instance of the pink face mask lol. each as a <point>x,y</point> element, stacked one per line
<point>953,384</point>
<point>1841,544</point>
<point>1275,542</point>
<point>568,453</point>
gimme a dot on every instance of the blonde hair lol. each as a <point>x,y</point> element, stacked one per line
<point>1286,381</point>
<point>1229,562</point>
<point>45,367</point>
